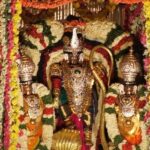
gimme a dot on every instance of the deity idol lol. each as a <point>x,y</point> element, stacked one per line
<point>35,128</point>
<point>76,97</point>
<point>124,107</point>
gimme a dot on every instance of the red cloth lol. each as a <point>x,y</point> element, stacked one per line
<point>79,125</point>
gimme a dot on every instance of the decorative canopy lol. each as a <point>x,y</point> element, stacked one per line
<point>44,4</point>
<point>126,1</point>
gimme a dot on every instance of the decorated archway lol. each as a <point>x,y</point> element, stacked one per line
<point>11,99</point>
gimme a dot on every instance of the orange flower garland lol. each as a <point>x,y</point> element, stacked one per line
<point>44,5</point>
<point>126,1</point>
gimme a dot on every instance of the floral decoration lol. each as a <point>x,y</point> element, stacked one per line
<point>43,34</point>
<point>126,1</point>
<point>44,4</point>
<point>111,119</point>
<point>147,62</point>
<point>10,89</point>
<point>3,53</point>
<point>109,34</point>
<point>136,21</point>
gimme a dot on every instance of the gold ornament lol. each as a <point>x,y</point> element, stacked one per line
<point>26,68</point>
<point>130,68</point>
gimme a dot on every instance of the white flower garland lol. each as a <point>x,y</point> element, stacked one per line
<point>111,122</point>
<point>57,29</point>
<point>98,30</point>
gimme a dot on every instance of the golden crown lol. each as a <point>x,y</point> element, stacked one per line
<point>130,68</point>
<point>26,68</point>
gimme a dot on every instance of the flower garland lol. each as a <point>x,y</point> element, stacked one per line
<point>12,88</point>
<point>16,10</point>
<point>109,34</point>
<point>3,39</point>
<point>10,76</point>
<point>126,1</point>
<point>47,120</point>
<point>44,5</point>
<point>43,34</point>
<point>111,119</point>
<point>136,21</point>
<point>147,62</point>
<point>6,81</point>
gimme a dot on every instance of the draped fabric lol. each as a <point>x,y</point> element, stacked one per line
<point>44,4</point>
<point>126,1</point>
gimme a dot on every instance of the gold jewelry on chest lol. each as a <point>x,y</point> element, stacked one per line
<point>128,114</point>
<point>33,106</point>
<point>78,82</point>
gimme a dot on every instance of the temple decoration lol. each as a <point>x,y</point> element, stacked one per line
<point>39,36</point>
<point>44,4</point>
<point>3,53</point>
<point>136,21</point>
<point>124,104</point>
<point>11,94</point>
<point>43,34</point>
<point>130,68</point>
<point>147,63</point>
<point>126,1</point>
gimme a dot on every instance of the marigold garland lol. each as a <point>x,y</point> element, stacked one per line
<point>44,5</point>
<point>16,9</point>
<point>10,79</point>
<point>126,1</point>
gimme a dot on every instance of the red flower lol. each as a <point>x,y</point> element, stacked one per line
<point>110,100</point>
<point>21,118</point>
<point>147,116</point>
<point>21,133</point>
<point>127,146</point>
<point>141,104</point>
<point>148,131</point>
<point>18,145</point>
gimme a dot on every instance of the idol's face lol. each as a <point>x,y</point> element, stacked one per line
<point>74,58</point>
<point>73,55</point>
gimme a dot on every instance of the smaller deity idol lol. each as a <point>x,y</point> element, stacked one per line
<point>125,99</point>
<point>33,104</point>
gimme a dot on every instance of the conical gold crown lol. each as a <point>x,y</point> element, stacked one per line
<point>26,68</point>
<point>130,68</point>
